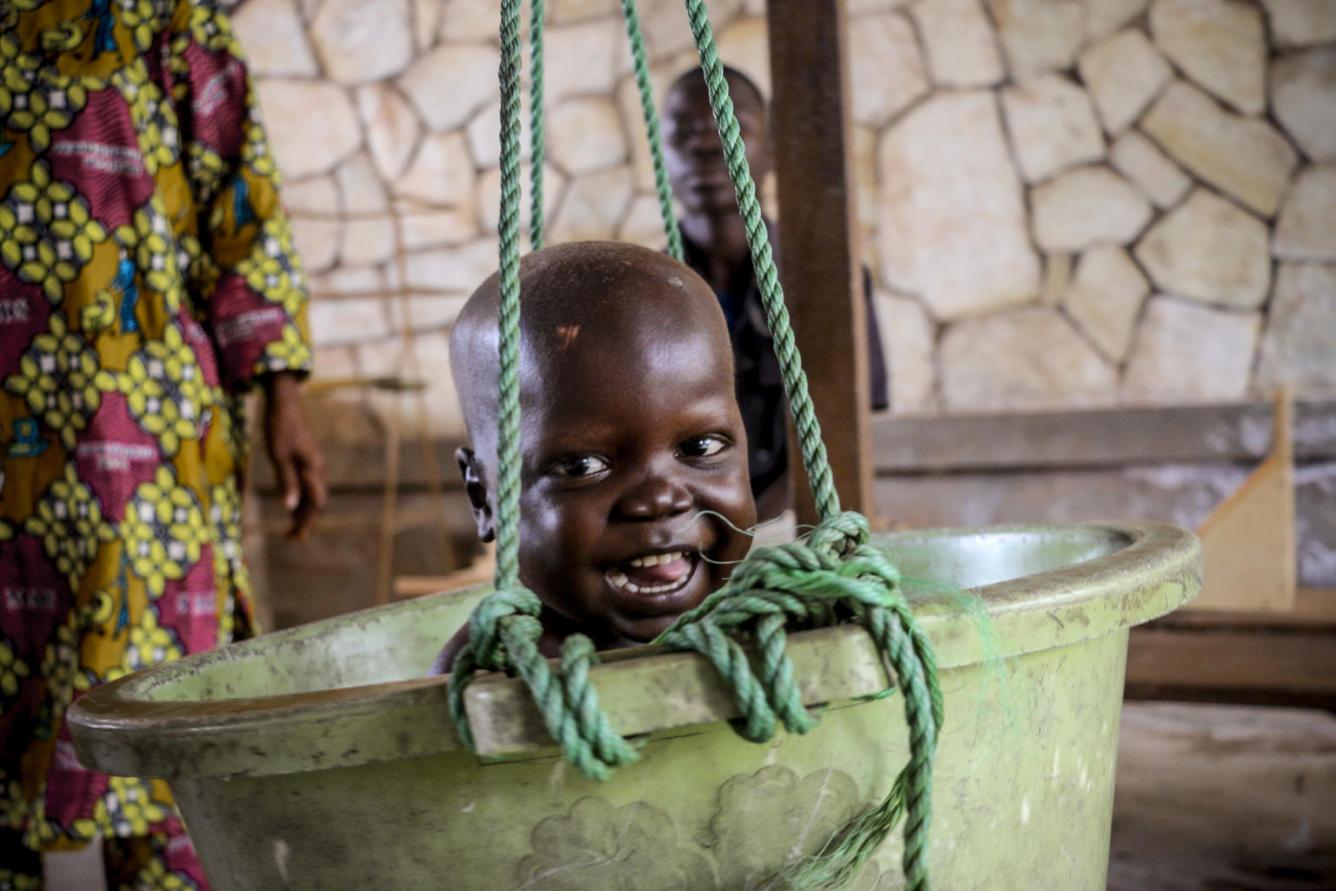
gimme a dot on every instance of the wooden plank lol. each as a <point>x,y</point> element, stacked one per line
<point>1314,611</point>
<point>818,235</point>
<point>1114,437</point>
<point>1242,667</point>
<point>1248,540</point>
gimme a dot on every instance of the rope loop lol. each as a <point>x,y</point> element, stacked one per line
<point>504,632</point>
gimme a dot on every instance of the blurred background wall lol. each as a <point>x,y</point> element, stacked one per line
<point>1067,204</point>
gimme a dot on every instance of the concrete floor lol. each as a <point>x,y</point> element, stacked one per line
<point>1216,798</point>
<point>1210,798</point>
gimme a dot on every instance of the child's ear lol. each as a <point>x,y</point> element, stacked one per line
<point>475,487</point>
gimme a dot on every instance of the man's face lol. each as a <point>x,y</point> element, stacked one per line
<point>694,153</point>
<point>624,447</point>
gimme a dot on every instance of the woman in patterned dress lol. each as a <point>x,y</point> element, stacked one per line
<point>147,279</point>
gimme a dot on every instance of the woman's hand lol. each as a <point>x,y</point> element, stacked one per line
<point>298,463</point>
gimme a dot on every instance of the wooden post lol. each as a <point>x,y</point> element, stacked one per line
<point>818,235</point>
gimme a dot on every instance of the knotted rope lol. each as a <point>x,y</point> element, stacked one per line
<point>833,575</point>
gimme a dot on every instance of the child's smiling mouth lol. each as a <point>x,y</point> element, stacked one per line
<point>648,582</point>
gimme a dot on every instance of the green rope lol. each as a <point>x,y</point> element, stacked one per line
<point>537,142</point>
<point>508,227</point>
<point>652,134</point>
<point>772,295</point>
<point>834,575</point>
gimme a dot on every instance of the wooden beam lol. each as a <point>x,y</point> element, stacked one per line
<point>818,235</point>
<point>1283,667</point>
<point>1238,432</point>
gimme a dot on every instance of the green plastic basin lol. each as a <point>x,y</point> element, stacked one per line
<point>321,758</point>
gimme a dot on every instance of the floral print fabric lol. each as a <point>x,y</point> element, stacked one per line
<point>147,277</point>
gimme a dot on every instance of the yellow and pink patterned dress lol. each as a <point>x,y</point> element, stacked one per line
<point>147,277</point>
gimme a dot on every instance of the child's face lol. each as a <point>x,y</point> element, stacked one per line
<point>625,444</point>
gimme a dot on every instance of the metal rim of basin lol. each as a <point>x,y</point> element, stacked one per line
<point>120,728</point>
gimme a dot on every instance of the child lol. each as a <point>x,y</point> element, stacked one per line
<point>633,453</point>
<point>714,242</point>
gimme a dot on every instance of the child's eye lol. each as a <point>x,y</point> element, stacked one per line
<point>704,446</point>
<point>579,467</point>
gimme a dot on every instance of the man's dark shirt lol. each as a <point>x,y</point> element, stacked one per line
<point>760,385</point>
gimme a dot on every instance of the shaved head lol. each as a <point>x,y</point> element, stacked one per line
<point>585,302</point>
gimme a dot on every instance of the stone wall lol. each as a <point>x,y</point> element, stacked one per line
<point>1065,202</point>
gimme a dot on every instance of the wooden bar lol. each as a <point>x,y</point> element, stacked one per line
<point>818,235</point>
<point>1104,437</point>
<point>1293,667</point>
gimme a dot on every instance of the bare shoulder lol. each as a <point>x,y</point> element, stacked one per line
<point>445,659</point>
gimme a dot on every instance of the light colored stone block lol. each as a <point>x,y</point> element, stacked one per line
<point>633,119</point>
<point>643,224</point>
<point>1039,35</point>
<point>1246,158</point>
<point>342,322</point>
<point>953,227</point>
<point>582,59</point>
<point>436,228</point>
<point>274,38</point>
<point>565,11</point>
<point>318,126</point>
<point>1299,346</point>
<point>592,206</point>
<point>484,133</point>
<point>361,188</point>
<point>1057,276</point>
<point>585,135</point>
<point>1103,17</point>
<point>870,7</point>
<point>1210,250</point>
<point>391,126</point>
<point>1105,298</point>
<point>745,45</point>
<point>1185,352</point>
<point>317,241</point>
<point>426,22</point>
<point>368,241</point>
<point>317,196</point>
<point>1026,358</point>
<point>1301,22</point>
<point>1220,44</point>
<point>1123,74</point>
<point>1086,207</point>
<point>1052,126</point>
<point>335,362</point>
<point>453,269</point>
<point>959,43</point>
<point>488,200</point>
<point>345,281</point>
<point>1158,178</point>
<point>907,339</point>
<point>470,21</point>
<point>1306,228</point>
<point>441,174</point>
<point>865,177</point>
<point>450,83</point>
<point>885,67</point>
<point>667,31</point>
<point>1303,93</point>
<point>360,42</point>
<point>418,314</point>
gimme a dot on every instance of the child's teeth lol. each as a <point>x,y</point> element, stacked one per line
<point>617,578</point>
<point>656,559</point>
